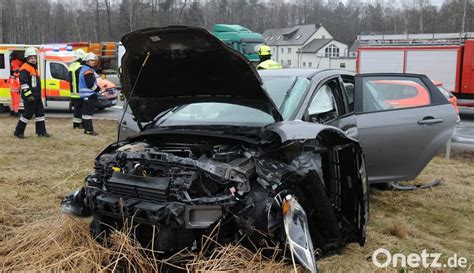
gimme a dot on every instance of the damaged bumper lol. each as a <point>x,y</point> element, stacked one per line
<point>185,187</point>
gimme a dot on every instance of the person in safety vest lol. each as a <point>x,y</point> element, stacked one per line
<point>76,100</point>
<point>30,86</point>
<point>265,54</point>
<point>88,89</point>
<point>14,84</point>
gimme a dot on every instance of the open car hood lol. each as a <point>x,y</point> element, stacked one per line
<point>183,65</point>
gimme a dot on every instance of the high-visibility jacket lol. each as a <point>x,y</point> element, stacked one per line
<point>14,83</point>
<point>269,64</point>
<point>30,82</point>
<point>74,70</point>
<point>15,65</point>
<point>85,90</point>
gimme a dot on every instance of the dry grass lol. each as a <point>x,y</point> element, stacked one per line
<point>36,173</point>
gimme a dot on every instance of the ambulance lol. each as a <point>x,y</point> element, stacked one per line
<point>53,63</point>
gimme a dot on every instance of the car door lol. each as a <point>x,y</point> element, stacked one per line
<point>4,76</point>
<point>57,84</point>
<point>398,138</point>
<point>329,104</point>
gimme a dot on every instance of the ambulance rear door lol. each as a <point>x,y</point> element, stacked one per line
<point>4,76</point>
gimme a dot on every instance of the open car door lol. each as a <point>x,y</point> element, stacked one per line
<point>402,121</point>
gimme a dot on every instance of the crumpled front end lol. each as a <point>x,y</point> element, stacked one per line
<point>175,188</point>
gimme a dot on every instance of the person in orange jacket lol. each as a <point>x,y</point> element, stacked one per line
<point>14,83</point>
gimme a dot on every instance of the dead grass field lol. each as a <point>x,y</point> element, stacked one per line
<point>36,173</point>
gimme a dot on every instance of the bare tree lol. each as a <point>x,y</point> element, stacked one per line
<point>181,10</point>
<point>97,23</point>
<point>464,17</point>
<point>109,20</point>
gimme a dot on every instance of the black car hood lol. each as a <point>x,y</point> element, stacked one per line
<point>183,65</point>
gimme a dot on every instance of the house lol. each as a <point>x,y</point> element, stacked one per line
<point>353,49</point>
<point>307,46</point>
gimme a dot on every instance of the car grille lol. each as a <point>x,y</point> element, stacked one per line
<point>139,187</point>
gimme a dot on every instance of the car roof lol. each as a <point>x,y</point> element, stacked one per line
<point>303,72</point>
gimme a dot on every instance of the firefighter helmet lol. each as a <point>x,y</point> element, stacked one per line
<point>31,51</point>
<point>90,57</point>
<point>78,54</point>
<point>264,50</point>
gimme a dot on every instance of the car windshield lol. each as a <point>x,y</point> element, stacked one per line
<point>286,93</point>
<point>213,113</point>
<point>250,47</point>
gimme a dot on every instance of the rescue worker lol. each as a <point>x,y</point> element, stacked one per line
<point>88,89</point>
<point>14,84</point>
<point>30,86</point>
<point>265,54</point>
<point>76,100</point>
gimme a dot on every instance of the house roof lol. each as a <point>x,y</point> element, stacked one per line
<point>315,45</point>
<point>296,35</point>
<point>354,46</point>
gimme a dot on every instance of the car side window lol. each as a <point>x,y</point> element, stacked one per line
<point>58,71</point>
<point>387,93</point>
<point>324,106</point>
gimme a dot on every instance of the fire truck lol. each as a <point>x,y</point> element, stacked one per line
<point>53,63</point>
<point>443,57</point>
<point>106,51</point>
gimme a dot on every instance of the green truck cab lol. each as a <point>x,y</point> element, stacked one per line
<point>241,39</point>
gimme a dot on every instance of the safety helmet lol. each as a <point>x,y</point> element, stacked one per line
<point>264,50</point>
<point>31,51</point>
<point>90,56</point>
<point>78,54</point>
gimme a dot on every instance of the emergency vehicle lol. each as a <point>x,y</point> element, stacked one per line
<point>106,51</point>
<point>443,57</point>
<point>53,63</point>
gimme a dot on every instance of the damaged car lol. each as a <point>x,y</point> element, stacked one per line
<point>220,147</point>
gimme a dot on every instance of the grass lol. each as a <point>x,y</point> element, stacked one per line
<point>36,173</point>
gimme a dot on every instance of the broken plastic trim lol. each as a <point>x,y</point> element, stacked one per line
<point>398,187</point>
